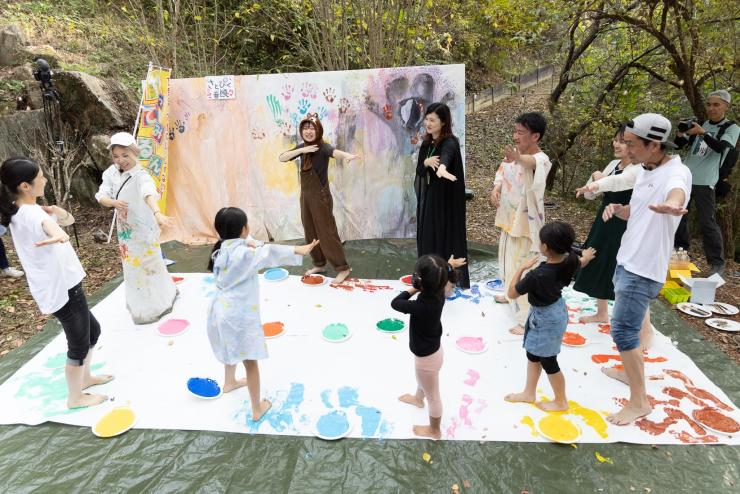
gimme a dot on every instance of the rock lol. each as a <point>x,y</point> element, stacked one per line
<point>98,146</point>
<point>85,184</point>
<point>12,41</point>
<point>31,53</point>
<point>89,103</point>
<point>19,131</point>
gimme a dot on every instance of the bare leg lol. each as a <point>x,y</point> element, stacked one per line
<point>638,405</point>
<point>230,381</point>
<point>560,403</point>
<point>341,276</point>
<point>259,408</point>
<point>646,339</point>
<point>90,380</point>
<point>501,299</point>
<point>75,397</point>
<point>602,313</point>
<point>517,330</point>
<point>534,369</point>
<point>432,430</point>
<point>417,400</point>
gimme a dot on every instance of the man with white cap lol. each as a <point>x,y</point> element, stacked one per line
<point>659,199</point>
<point>708,145</point>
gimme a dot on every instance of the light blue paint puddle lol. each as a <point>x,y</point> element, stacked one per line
<point>57,361</point>
<point>370,420</point>
<point>204,387</point>
<point>325,398</point>
<point>275,274</point>
<point>347,396</point>
<point>333,425</point>
<point>495,285</point>
<point>47,389</point>
<point>281,416</point>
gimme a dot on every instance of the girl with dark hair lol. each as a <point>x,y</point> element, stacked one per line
<point>440,186</point>
<point>234,325</point>
<point>429,280</point>
<point>548,315</point>
<point>53,271</point>
<point>316,201</point>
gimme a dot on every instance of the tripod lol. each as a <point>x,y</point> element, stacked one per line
<point>53,124</point>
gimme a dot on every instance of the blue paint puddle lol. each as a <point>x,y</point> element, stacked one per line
<point>58,360</point>
<point>276,274</point>
<point>496,285</point>
<point>333,425</point>
<point>473,295</point>
<point>204,387</point>
<point>370,420</point>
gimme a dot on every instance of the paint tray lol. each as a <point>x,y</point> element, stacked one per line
<point>676,295</point>
<point>669,284</point>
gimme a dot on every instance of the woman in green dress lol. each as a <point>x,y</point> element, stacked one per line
<point>595,279</point>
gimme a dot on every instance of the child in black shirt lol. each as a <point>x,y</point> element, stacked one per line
<point>548,315</point>
<point>425,331</point>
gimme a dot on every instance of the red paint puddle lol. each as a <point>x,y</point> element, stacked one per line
<point>605,328</point>
<point>406,280</point>
<point>177,279</point>
<point>679,375</point>
<point>367,286</point>
<point>655,428</point>
<point>706,395</point>
<point>310,279</point>
<point>674,415</point>
<point>573,339</point>
<point>679,415</point>
<point>677,393</point>
<point>602,358</point>
<point>716,420</point>
<point>273,328</point>
<point>687,438</point>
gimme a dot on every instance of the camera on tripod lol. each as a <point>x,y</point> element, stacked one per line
<point>686,124</point>
<point>43,73</point>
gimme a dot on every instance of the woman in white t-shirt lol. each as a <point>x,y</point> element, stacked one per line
<point>53,271</point>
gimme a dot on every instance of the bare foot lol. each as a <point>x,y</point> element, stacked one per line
<point>522,397</point>
<point>341,276</point>
<point>232,385</point>
<point>427,431</point>
<point>501,299</point>
<point>629,414</point>
<point>316,270</point>
<point>264,407</point>
<point>552,406</point>
<point>96,380</point>
<point>412,400</point>
<point>594,318</point>
<point>617,374</point>
<point>86,400</point>
<point>517,330</point>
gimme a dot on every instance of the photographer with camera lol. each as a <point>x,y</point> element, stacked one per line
<point>711,154</point>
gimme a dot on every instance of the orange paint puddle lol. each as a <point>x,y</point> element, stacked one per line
<point>706,395</point>
<point>573,339</point>
<point>602,358</point>
<point>605,328</point>
<point>273,328</point>
<point>679,375</point>
<point>716,420</point>
<point>677,393</point>
<point>687,438</point>
<point>366,286</point>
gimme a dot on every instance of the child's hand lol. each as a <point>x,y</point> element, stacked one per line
<point>588,254</point>
<point>309,149</point>
<point>443,173</point>
<point>412,291</point>
<point>58,238</point>
<point>353,157</point>
<point>305,249</point>
<point>530,262</point>
<point>456,263</point>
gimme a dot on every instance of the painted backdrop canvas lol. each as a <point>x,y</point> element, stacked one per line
<point>224,152</point>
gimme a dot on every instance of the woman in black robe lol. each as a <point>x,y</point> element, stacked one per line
<point>440,185</point>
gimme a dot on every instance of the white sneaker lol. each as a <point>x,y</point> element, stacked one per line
<point>12,272</point>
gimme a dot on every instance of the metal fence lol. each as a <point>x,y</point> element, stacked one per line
<point>486,98</point>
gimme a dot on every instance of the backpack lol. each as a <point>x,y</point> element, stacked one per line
<point>723,187</point>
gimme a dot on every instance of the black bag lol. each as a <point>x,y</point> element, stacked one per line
<point>723,187</point>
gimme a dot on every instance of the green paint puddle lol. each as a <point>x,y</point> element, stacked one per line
<point>48,388</point>
<point>336,332</point>
<point>390,325</point>
<point>58,360</point>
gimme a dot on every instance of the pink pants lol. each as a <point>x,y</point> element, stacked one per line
<point>427,380</point>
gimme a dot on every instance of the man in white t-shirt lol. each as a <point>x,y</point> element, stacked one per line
<point>659,199</point>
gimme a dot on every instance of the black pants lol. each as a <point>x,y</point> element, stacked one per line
<point>702,199</point>
<point>80,326</point>
<point>3,257</point>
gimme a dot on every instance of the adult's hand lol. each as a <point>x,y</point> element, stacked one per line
<point>432,162</point>
<point>668,208</point>
<point>695,129</point>
<point>592,187</point>
<point>611,210</point>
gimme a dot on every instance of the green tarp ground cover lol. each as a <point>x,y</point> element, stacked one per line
<point>60,458</point>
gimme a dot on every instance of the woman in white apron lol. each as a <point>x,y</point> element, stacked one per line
<point>150,291</point>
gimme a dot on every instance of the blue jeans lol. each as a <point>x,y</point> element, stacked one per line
<point>632,296</point>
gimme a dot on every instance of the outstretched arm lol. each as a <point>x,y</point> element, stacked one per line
<point>673,204</point>
<point>290,155</point>
<point>343,155</point>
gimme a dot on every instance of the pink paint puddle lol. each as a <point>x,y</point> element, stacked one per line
<point>471,344</point>
<point>173,327</point>
<point>474,376</point>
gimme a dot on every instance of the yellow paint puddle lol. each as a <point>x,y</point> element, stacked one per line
<point>115,422</point>
<point>527,420</point>
<point>559,429</point>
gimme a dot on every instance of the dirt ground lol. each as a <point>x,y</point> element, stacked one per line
<point>486,133</point>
